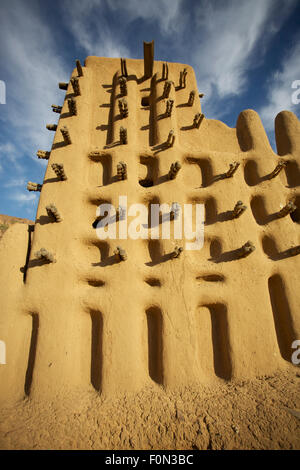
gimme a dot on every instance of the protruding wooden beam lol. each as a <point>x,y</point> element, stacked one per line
<point>56,109</point>
<point>232,169</point>
<point>45,255</point>
<point>120,254</point>
<point>174,169</point>
<point>122,171</point>
<point>53,213</point>
<point>123,107</point>
<point>182,78</point>
<point>43,154</point>
<point>191,98</point>
<point>238,210</point>
<point>167,89</point>
<point>197,120</point>
<point>169,107</point>
<point>165,71</point>
<point>58,168</point>
<point>123,86</point>
<point>124,68</point>
<point>175,210</point>
<point>148,59</point>
<point>63,86</point>
<point>287,209</point>
<point>170,139</point>
<point>177,251</point>
<point>72,106</point>
<point>34,186</point>
<point>279,167</point>
<point>123,135</point>
<point>75,85</point>
<point>51,127</point>
<point>66,135</point>
<point>246,249</point>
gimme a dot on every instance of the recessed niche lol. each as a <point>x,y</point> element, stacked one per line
<point>145,101</point>
<point>155,344</point>
<point>295,216</point>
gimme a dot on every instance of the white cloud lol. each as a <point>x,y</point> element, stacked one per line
<point>22,197</point>
<point>34,69</point>
<point>279,95</point>
<point>15,182</point>
<point>235,36</point>
<point>169,15</point>
<point>10,154</point>
<point>90,30</point>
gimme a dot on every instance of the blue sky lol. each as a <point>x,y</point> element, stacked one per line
<point>245,54</point>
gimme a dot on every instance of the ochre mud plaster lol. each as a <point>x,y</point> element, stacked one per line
<point>87,322</point>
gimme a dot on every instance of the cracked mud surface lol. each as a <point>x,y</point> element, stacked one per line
<point>258,414</point>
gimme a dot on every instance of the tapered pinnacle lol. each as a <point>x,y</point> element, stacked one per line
<point>165,71</point>
<point>124,68</point>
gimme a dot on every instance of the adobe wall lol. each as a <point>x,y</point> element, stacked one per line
<point>90,322</point>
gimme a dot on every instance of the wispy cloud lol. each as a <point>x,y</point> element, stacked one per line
<point>22,198</point>
<point>234,39</point>
<point>90,29</point>
<point>15,182</point>
<point>11,155</point>
<point>33,71</point>
<point>169,16</point>
<point>279,94</point>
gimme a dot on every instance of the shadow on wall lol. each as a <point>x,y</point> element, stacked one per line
<point>32,353</point>
<point>220,338</point>
<point>155,344</point>
<point>96,349</point>
<point>282,316</point>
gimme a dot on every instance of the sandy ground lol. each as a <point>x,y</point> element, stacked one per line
<point>259,414</point>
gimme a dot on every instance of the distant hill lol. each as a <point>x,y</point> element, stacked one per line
<point>7,220</point>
